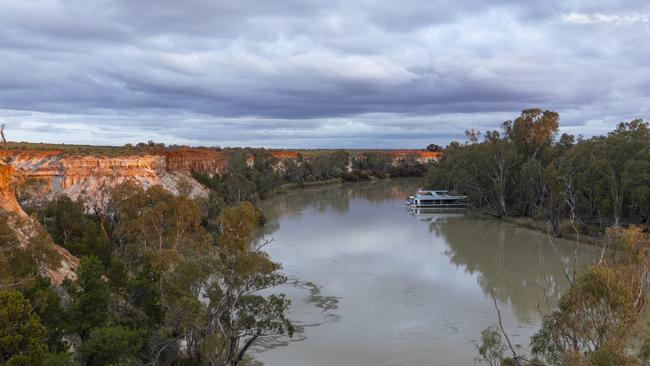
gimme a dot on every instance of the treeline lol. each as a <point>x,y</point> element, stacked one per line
<point>258,180</point>
<point>575,184</point>
<point>162,280</point>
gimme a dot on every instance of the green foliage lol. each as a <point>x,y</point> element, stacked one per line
<point>89,297</point>
<point>492,347</point>
<point>598,317</point>
<point>525,171</point>
<point>244,270</point>
<point>20,264</point>
<point>296,170</point>
<point>532,131</point>
<point>69,226</point>
<point>59,359</point>
<point>64,219</point>
<point>408,167</point>
<point>47,305</point>
<point>378,165</point>
<point>21,333</point>
<point>111,346</point>
<point>154,227</point>
<point>16,264</point>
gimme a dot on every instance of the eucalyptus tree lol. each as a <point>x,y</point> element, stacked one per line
<point>237,315</point>
<point>532,131</point>
<point>596,320</point>
<point>637,177</point>
<point>620,148</point>
<point>213,298</point>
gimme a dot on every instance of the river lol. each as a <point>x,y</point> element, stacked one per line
<point>374,284</point>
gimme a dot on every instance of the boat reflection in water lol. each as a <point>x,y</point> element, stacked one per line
<point>435,214</point>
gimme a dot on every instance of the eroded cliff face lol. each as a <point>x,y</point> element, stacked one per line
<point>90,179</point>
<point>28,230</point>
<point>7,195</point>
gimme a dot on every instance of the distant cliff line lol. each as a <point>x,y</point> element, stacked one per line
<point>87,174</point>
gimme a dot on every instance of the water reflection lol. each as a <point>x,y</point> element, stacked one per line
<point>375,284</point>
<point>517,264</point>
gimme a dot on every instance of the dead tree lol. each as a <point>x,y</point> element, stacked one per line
<point>2,134</point>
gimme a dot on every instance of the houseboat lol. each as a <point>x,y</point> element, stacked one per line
<point>437,199</point>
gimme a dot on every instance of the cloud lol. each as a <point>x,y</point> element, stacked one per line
<point>606,19</point>
<point>309,73</point>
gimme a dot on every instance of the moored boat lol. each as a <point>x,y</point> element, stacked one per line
<point>437,199</point>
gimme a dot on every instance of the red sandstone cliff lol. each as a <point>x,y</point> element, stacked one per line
<point>27,228</point>
<point>7,196</point>
<point>89,177</point>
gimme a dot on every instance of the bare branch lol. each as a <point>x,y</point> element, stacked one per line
<point>557,255</point>
<point>496,306</point>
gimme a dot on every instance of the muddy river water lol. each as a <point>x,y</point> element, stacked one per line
<point>374,284</point>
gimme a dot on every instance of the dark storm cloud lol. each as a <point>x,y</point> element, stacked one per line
<point>315,73</point>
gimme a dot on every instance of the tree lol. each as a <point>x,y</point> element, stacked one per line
<point>21,262</point>
<point>21,333</point>
<point>89,297</point>
<point>154,227</point>
<point>373,164</point>
<point>501,160</point>
<point>473,136</point>
<point>236,314</point>
<point>621,146</point>
<point>2,134</point>
<point>637,177</point>
<point>597,317</point>
<point>110,346</point>
<point>533,130</point>
<point>16,265</point>
<point>492,348</point>
<point>328,166</point>
<point>435,148</point>
<point>296,170</point>
<point>47,305</point>
<point>64,219</point>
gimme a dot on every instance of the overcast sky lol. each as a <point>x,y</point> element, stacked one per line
<point>315,73</point>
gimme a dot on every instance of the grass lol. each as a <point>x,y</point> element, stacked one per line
<point>76,149</point>
<point>133,150</point>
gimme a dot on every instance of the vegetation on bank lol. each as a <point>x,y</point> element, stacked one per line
<point>163,279</point>
<point>572,187</point>
<point>574,184</point>
<point>599,321</point>
<point>266,174</point>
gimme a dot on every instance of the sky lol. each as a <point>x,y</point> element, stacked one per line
<point>316,74</point>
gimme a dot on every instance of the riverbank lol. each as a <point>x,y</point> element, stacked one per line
<point>566,231</point>
<point>293,186</point>
<point>287,187</point>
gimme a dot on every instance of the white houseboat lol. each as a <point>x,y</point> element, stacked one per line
<point>437,199</point>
